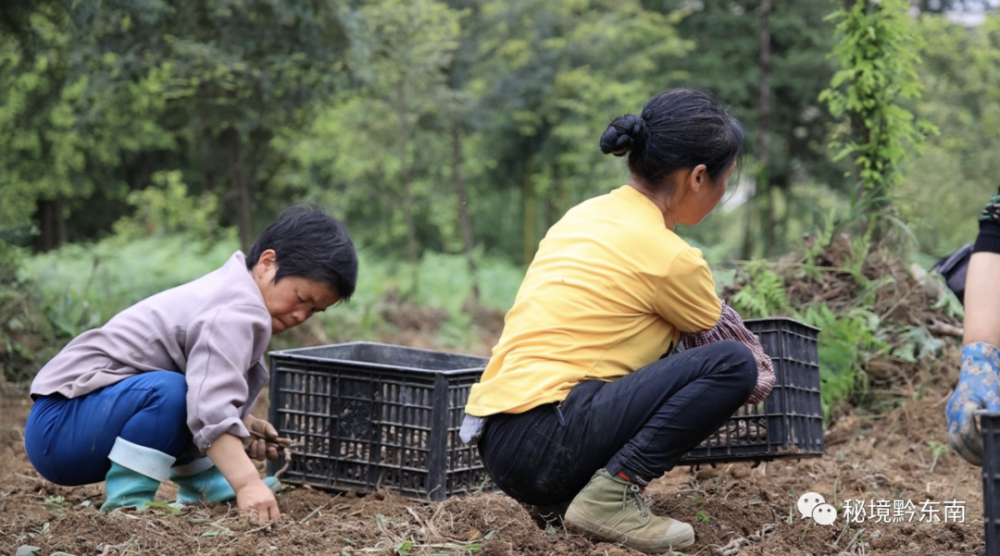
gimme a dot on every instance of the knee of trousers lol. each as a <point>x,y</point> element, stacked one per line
<point>738,364</point>
<point>169,393</point>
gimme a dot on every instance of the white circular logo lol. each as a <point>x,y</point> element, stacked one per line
<point>809,501</point>
<point>824,514</point>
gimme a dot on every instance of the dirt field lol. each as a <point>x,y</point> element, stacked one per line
<point>735,509</point>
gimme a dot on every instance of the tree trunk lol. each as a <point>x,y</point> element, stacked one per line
<point>45,214</point>
<point>242,194</point>
<point>764,112</point>
<point>209,154</point>
<point>748,225</point>
<point>146,177</point>
<point>530,218</point>
<point>468,242</point>
<point>404,169</point>
<point>62,237</point>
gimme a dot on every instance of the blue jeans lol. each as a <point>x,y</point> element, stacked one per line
<point>639,425</point>
<point>68,440</point>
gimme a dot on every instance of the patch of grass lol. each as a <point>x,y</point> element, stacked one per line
<point>81,286</point>
<point>938,449</point>
<point>55,504</point>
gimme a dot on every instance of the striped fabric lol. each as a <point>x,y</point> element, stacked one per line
<point>731,327</point>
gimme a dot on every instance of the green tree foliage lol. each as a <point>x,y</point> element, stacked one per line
<point>166,208</point>
<point>725,62</point>
<point>110,92</point>
<point>878,52</point>
<point>236,73</point>
<point>552,76</point>
<point>463,125</point>
<point>378,149</point>
<point>527,96</point>
<point>65,128</point>
<point>948,184</point>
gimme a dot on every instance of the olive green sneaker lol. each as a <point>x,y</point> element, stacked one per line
<point>612,509</point>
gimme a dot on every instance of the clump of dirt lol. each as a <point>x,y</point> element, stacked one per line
<point>910,308</point>
<point>867,460</point>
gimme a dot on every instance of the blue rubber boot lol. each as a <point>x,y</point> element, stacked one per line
<point>200,481</point>
<point>135,475</point>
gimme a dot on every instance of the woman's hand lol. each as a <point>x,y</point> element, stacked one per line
<point>978,388</point>
<point>264,442</point>
<point>255,496</point>
<point>227,453</point>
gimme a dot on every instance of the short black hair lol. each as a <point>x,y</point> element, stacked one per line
<point>679,128</point>
<point>310,244</point>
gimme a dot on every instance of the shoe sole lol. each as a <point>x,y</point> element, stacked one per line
<point>575,521</point>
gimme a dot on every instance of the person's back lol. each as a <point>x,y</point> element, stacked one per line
<point>597,302</point>
<point>157,333</point>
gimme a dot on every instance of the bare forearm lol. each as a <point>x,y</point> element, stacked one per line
<point>982,299</point>
<point>228,455</point>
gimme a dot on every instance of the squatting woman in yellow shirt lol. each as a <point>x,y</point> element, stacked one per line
<point>580,403</point>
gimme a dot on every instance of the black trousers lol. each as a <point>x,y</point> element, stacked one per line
<point>638,425</point>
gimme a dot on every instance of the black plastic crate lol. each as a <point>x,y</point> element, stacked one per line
<point>373,416</point>
<point>789,422</point>
<point>989,425</point>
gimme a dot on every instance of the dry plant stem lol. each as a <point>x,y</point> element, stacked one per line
<point>317,510</point>
<point>430,523</point>
<point>733,548</point>
<point>423,526</point>
<point>954,482</point>
<point>288,462</point>
<point>945,329</point>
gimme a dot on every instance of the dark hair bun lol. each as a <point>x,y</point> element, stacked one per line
<point>624,134</point>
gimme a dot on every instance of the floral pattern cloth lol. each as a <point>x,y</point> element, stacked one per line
<point>978,388</point>
<point>731,327</point>
<point>992,210</point>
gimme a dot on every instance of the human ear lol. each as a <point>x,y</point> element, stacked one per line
<point>267,263</point>
<point>698,177</point>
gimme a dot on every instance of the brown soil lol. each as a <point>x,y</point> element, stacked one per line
<point>886,452</point>
<point>868,457</point>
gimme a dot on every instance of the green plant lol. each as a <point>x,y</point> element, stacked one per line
<point>81,286</point>
<point>165,208</point>
<point>938,449</point>
<point>55,504</point>
<point>845,343</point>
<point>702,516</point>
<point>72,315</point>
<point>160,507</point>
<point>763,295</point>
<point>27,337</point>
<point>917,345</point>
<point>878,54</point>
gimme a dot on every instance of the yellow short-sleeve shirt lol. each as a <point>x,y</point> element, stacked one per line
<point>608,292</point>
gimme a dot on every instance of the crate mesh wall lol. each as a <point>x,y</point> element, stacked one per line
<point>374,416</point>
<point>789,423</point>
<point>369,418</point>
<point>989,425</point>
